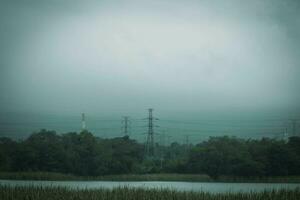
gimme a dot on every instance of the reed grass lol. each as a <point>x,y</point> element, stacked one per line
<point>59,193</point>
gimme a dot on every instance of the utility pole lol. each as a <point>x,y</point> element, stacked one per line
<point>163,138</point>
<point>83,124</point>
<point>294,126</point>
<point>162,146</point>
<point>187,140</point>
<point>126,124</point>
<point>169,140</point>
<point>150,135</point>
<point>187,143</point>
<point>285,135</point>
<point>169,144</point>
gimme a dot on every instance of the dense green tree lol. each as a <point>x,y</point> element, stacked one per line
<point>86,155</point>
<point>232,156</point>
<point>7,148</point>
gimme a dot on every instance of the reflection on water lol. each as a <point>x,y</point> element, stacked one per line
<point>180,186</point>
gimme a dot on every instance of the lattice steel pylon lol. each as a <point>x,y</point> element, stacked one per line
<point>150,148</point>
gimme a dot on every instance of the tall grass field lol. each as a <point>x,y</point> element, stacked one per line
<point>53,193</point>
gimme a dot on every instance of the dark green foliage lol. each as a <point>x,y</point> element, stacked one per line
<point>83,154</point>
<point>80,154</point>
<point>249,158</point>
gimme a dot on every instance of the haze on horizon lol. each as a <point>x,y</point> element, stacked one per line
<point>106,56</point>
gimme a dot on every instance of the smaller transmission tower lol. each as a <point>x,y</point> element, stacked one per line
<point>126,125</point>
<point>83,123</point>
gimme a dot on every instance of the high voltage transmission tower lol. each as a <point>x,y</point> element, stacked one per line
<point>126,125</point>
<point>150,135</point>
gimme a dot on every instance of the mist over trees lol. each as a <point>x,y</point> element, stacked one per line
<point>86,155</point>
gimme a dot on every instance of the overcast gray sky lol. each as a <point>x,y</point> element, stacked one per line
<point>100,56</point>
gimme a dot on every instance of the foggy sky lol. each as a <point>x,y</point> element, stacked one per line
<point>102,56</point>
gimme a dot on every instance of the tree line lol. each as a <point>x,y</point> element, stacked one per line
<point>84,154</point>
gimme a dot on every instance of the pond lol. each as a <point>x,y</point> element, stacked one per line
<point>179,186</point>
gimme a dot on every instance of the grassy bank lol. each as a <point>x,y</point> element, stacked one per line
<point>127,177</point>
<point>142,177</point>
<point>35,193</point>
